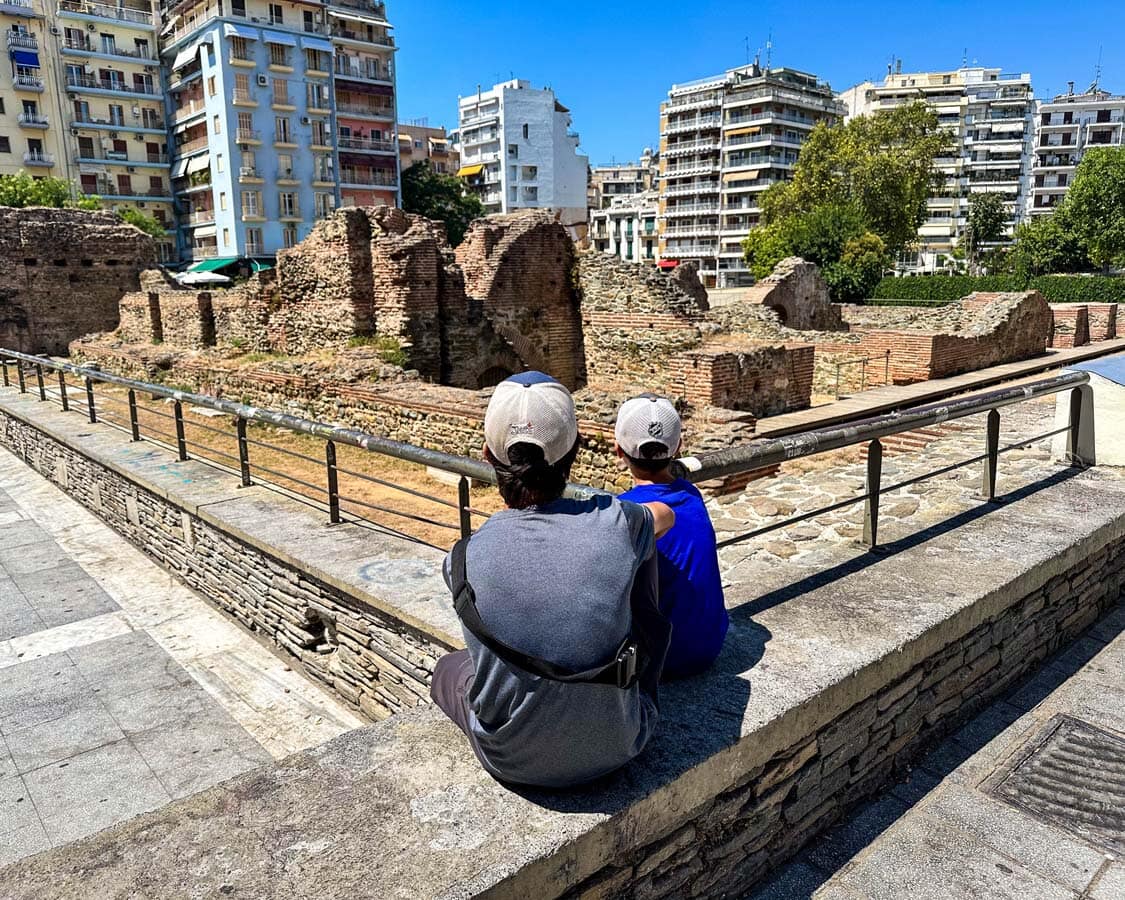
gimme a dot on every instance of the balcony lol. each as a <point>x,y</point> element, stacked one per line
<point>195,144</point>
<point>38,158</point>
<point>379,40</point>
<point>692,230</point>
<point>690,250</point>
<point>359,73</point>
<point>117,156</point>
<point>693,101</point>
<point>366,145</point>
<point>692,209</point>
<point>17,8</point>
<point>86,9</point>
<point>28,83</point>
<point>247,136</point>
<point>201,217</point>
<point>241,98</point>
<point>188,108</point>
<point>355,178</point>
<point>32,120</point>
<point>365,110</point>
<point>686,147</point>
<point>248,173</point>
<point>83,45</point>
<point>695,124</point>
<point>112,86</point>
<point>692,187</point>
<point>17,39</point>
<point>376,7</point>
<point>704,167</point>
<point>291,214</point>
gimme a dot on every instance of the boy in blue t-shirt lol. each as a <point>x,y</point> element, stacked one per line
<point>691,590</point>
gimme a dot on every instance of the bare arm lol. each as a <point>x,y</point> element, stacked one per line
<point>663,517</point>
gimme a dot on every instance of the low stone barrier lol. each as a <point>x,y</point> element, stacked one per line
<point>827,688</point>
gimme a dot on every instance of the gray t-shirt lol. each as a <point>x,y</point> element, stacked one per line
<point>554,582</point>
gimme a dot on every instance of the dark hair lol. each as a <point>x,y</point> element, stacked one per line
<point>528,480</point>
<point>649,462</point>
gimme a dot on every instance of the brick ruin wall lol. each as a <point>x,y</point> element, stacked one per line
<point>62,274</point>
<point>1078,324</point>
<point>797,293</point>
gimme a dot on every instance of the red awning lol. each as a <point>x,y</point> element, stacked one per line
<point>667,263</point>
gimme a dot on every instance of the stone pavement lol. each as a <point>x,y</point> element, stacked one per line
<point>985,816</point>
<point>120,689</point>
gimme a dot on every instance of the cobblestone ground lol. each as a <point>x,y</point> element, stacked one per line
<point>808,484</point>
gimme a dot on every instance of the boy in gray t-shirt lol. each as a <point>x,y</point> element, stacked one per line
<point>562,581</point>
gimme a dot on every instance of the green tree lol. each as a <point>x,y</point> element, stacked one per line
<point>22,190</point>
<point>441,197</point>
<point>861,266</point>
<point>1047,245</point>
<point>1095,205</point>
<point>881,164</point>
<point>147,224</point>
<point>986,220</point>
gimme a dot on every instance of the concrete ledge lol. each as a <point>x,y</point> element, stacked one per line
<point>825,689</point>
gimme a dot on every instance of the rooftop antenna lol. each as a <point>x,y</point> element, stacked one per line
<point>964,57</point>
<point>746,40</point>
<point>769,48</point>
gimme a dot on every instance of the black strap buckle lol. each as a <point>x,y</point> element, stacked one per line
<point>627,666</point>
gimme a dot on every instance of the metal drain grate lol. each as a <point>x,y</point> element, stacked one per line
<point>1074,777</point>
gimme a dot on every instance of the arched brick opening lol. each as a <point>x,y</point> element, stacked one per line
<point>782,313</point>
<point>492,376</point>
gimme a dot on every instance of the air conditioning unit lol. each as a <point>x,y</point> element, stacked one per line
<point>113,134</point>
<point>90,26</point>
<point>139,137</point>
<point>150,68</point>
<point>130,168</point>
<point>305,120</point>
<point>141,203</point>
<point>55,30</point>
<point>74,132</point>
<point>263,81</point>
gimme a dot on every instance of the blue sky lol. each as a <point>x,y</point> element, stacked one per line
<point>612,62</point>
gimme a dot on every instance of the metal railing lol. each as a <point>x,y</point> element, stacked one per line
<point>763,454</point>
<point>863,361</point>
<point>47,378</point>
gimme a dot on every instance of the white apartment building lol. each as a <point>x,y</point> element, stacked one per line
<point>627,227</point>
<point>518,151</point>
<point>1065,128</point>
<point>609,181</point>
<point>989,113</point>
<point>724,140</point>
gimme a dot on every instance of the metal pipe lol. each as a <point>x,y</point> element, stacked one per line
<point>134,422</point>
<point>872,487</point>
<point>181,444</point>
<point>243,451</point>
<point>991,455</point>
<point>39,381</point>
<point>90,399</point>
<point>762,453</point>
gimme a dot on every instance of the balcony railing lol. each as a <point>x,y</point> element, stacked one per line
<point>694,124</point>
<point>188,108</point>
<point>702,146</point>
<point>352,178</point>
<point>343,70</point>
<point>191,146</point>
<point>28,83</point>
<point>103,11</point>
<point>85,45</point>
<point>362,143</point>
<point>38,158</point>
<point>691,250</point>
<point>369,6</point>
<point>207,251</point>
<point>293,212</point>
<point>242,135</point>
<point>89,82</point>
<point>248,172</point>
<point>365,109</point>
<point>19,39</point>
<point>711,98</point>
<point>692,209</point>
<point>201,217</point>
<point>692,187</point>
<point>381,40</point>
<point>32,120</point>
<point>240,96</point>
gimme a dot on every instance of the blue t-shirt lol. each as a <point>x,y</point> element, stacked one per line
<point>691,589</point>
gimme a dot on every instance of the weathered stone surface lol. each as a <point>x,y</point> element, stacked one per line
<point>62,273</point>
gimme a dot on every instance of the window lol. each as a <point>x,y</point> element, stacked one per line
<point>5,145</point>
<point>253,241</point>
<point>251,203</point>
<point>86,147</point>
<point>226,237</point>
<point>124,185</point>
<point>241,86</point>
<point>289,237</point>
<point>309,21</point>
<point>217,125</point>
<point>317,96</point>
<point>239,48</point>
<point>312,60</point>
<point>279,55</point>
<point>280,92</point>
<point>284,165</point>
<point>116,114</point>
<point>238,7</point>
<point>155,186</point>
<point>319,134</point>
<point>248,164</point>
<point>1103,115</point>
<point>141,46</point>
<point>219,162</point>
<point>108,44</point>
<point>1068,118</point>
<point>245,123</point>
<point>1062,179</point>
<point>324,204</point>
<point>151,119</point>
<point>222,200</point>
<point>526,127</point>
<point>287,203</point>
<point>211,86</point>
<point>276,17</point>
<point>513,151</point>
<point>281,130</point>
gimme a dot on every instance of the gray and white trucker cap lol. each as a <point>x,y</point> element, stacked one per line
<point>648,419</point>
<point>531,408</point>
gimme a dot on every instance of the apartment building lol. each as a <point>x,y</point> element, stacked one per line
<point>610,181</point>
<point>626,228</point>
<point>518,151</point>
<point>724,140</point>
<point>418,141</point>
<point>1065,128</point>
<point>84,101</point>
<point>279,113</point>
<point>989,113</point>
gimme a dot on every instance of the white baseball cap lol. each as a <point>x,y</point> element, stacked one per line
<point>531,408</point>
<point>648,419</point>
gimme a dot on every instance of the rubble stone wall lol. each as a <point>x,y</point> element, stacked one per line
<point>1070,326</point>
<point>62,274</point>
<point>765,379</point>
<point>1102,321</point>
<point>797,292</point>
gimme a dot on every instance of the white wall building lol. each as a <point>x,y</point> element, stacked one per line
<point>1065,128</point>
<point>989,114</point>
<point>723,141</point>
<point>518,151</point>
<point>627,227</point>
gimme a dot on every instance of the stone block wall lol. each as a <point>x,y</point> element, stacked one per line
<point>140,318</point>
<point>242,315</point>
<point>764,379</point>
<point>187,319</point>
<point>1102,321</point>
<point>62,274</point>
<point>732,840</point>
<point>798,294</point>
<point>376,663</point>
<point>1070,325</point>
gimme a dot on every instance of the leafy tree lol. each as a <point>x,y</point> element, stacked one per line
<point>22,190</point>
<point>986,220</point>
<point>882,164</point>
<point>763,248</point>
<point>442,197</point>
<point>859,270</point>
<point>1047,244</point>
<point>147,224</point>
<point>1095,205</point>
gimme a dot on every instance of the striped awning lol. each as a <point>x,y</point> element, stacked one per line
<point>751,129</point>
<point>232,30</point>
<point>748,175</point>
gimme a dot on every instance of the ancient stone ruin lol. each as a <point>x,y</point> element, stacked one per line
<point>797,293</point>
<point>62,273</point>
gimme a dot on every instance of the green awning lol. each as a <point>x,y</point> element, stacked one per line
<point>256,266</point>
<point>212,265</point>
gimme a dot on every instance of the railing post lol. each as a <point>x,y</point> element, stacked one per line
<point>463,506</point>
<point>20,376</point>
<point>4,363</point>
<point>991,455</point>
<point>134,423</point>
<point>837,381</point>
<point>1080,435</point>
<point>39,381</point>
<point>871,504</point>
<point>62,392</point>
<point>887,369</point>
<point>243,450</point>
<point>181,443</point>
<point>90,399</point>
<point>333,483</point>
